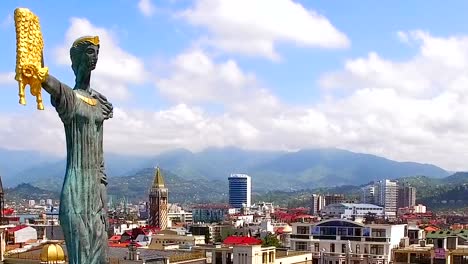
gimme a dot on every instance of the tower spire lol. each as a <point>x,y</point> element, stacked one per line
<point>158,181</point>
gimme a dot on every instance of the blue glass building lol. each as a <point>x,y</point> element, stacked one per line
<point>240,188</point>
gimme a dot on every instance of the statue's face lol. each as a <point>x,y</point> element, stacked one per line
<point>90,57</point>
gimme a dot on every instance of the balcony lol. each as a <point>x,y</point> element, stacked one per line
<point>378,239</point>
<point>351,238</point>
<point>301,236</point>
<point>324,237</point>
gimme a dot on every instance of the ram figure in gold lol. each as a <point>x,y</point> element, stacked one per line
<point>29,50</point>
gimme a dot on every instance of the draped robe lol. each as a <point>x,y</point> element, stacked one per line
<point>83,202</point>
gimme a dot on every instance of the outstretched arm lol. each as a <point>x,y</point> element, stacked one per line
<point>52,86</point>
<point>62,97</point>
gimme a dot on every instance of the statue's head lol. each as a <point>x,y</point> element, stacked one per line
<point>84,55</point>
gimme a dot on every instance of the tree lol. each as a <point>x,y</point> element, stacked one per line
<point>271,241</point>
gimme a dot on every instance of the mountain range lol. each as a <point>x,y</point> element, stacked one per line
<point>439,194</point>
<point>309,168</point>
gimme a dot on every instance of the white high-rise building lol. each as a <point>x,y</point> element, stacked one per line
<point>386,195</point>
<point>318,202</point>
<point>368,194</point>
<point>240,189</point>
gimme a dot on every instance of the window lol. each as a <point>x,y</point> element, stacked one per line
<point>316,247</point>
<point>264,258</point>
<point>377,249</point>
<point>328,231</point>
<point>332,247</point>
<point>343,248</point>
<point>303,230</point>
<point>358,249</point>
<point>271,257</point>
<point>379,233</point>
<point>301,246</point>
<point>440,243</point>
<point>357,232</point>
<point>342,231</point>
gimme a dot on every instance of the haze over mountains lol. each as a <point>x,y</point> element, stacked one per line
<point>308,168</point>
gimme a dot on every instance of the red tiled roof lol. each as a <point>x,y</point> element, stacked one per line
<point>241,240</point>
<point>303,216</point>
<point>115,238</point>
<point>430,228</point>
<point>122,245</point>
<point>279,230</point>
<point>128,232</point>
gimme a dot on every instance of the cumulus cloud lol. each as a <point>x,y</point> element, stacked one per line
<point>36,130</point>
<point>116,68</point>
<point>254,27</point>
<point>146,7</point>
<point>195,77</point>
<point>412,109</point>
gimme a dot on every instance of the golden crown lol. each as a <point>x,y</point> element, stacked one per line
<point>92,39</point>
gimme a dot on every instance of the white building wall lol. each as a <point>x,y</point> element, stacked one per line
<point>25,234</point>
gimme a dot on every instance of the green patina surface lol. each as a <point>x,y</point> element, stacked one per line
<point>83,212</point>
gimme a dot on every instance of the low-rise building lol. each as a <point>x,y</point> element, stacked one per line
<point>254,254</point>
<point>21,234</point>
<point>344,241</point>
<point>170,237</point>
<point>351,210</point>
<point>439,247</point>
<point>211,213</point>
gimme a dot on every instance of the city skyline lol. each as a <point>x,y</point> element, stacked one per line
<point>191,74</point>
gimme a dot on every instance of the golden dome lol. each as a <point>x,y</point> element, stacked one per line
<point>52,253</point>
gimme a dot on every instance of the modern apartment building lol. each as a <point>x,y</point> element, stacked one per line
<point>406,196</point>
<point>350,210</point>
<point>317,204</point>
<point>334,198</point>
<point>386,195</point>
<point>240,188</point>
<point>211,213</point>
<point>368,194</point>
<point>343,241</point>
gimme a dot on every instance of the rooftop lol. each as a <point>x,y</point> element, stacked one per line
<point>445,233</point>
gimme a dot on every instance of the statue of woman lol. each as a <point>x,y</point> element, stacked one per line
<point>83,202</point>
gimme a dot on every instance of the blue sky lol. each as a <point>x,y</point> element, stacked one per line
<point>386,78</point>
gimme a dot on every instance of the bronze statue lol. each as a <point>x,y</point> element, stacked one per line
<point>83,203</point>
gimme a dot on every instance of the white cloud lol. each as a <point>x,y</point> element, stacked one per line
<point>254,27</point>
<point>195,77</point>
<point>405,110</point>
<point>7,78</point>
<point>36,130</point>
<point>116,68</point>
<point>403,36</point>
<point>408,110</point>
<point>146,7</point>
